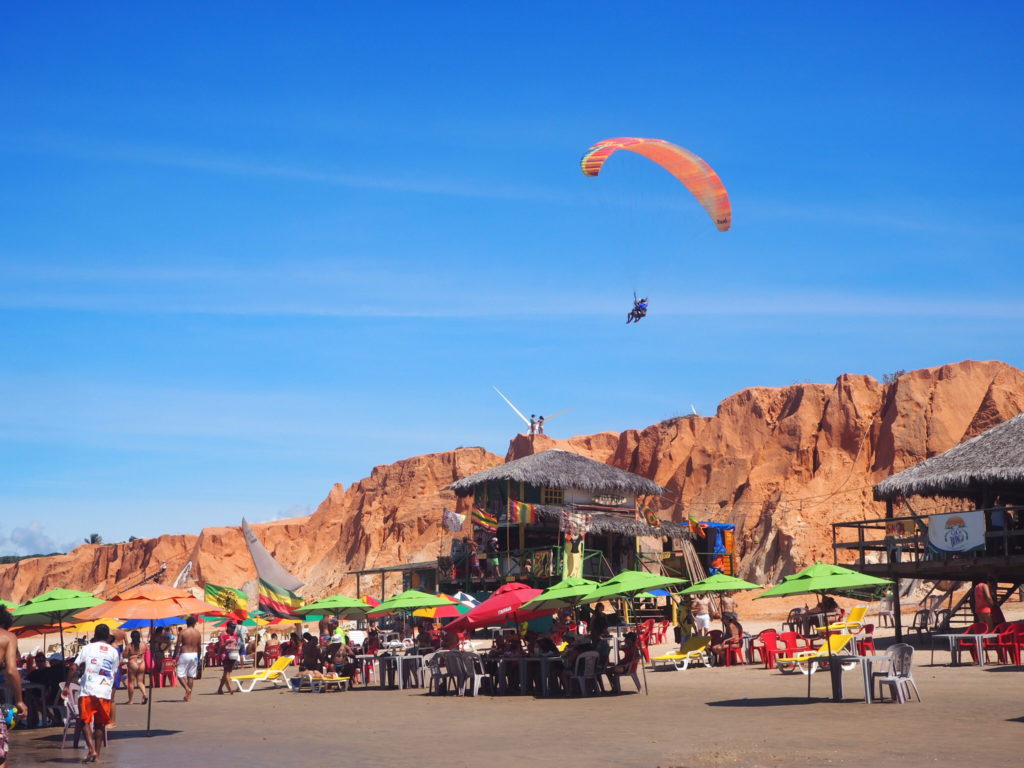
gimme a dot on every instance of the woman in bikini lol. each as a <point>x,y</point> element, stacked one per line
<point>135,656</point>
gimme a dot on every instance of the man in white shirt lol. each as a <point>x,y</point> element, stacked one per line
<point>98,663</point>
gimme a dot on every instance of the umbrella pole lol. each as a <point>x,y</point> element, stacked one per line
<point>149,702</point>
<point>60,627</point>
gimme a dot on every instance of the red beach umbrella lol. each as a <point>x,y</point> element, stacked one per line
<point>501,607</point>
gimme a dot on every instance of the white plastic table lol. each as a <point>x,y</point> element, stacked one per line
<point>954,650</point>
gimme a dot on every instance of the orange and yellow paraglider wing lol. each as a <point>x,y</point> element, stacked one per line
<point>698,177</point>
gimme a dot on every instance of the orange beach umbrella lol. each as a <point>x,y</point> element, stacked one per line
<point>148,601</point>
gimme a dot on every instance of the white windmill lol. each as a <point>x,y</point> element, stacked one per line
<point>535,424</point>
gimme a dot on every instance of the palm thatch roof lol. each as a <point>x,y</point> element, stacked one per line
<point>994,459</point>
<point>615,523</point>
<point>561,469</point>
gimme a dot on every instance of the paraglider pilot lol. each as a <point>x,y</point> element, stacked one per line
<point>638,312</point>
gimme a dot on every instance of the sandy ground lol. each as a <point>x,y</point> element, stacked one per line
<point>738,716</point>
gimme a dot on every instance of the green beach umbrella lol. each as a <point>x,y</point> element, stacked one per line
<point>9,606</point>
<point>410,600</point>
<point>719,582</point>
<point>565,594</point>
<point>53,607</point>
<point>629,583</point>
<point>822,579</point>
<point>336,605</point>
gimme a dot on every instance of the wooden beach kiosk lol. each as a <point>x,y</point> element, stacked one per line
<point>557,485</point>
<point>973,531</point>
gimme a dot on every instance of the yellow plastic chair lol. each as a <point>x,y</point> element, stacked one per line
<point>693,651</point>
<point>808,662</point>
<point>853,622</point>
<point>272,674</point>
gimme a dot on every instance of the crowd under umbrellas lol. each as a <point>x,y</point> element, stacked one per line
<point>461,622</point>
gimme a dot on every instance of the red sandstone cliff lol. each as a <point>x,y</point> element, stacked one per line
<point>780,463</point>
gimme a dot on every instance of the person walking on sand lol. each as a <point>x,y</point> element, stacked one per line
<point>98,662</point>
<point>227,644</point>
<point>187,650</point>
<point>700,607</point>
<point>9,655</point>
<point>135,655</point>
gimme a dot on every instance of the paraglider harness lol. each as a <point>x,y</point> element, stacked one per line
<point>639,310</point>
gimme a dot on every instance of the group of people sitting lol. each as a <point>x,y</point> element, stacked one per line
<point>563,645</point>
<point>695,620</point>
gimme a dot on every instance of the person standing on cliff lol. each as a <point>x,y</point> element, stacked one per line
<point>9,654</point>
<point>187,650</point>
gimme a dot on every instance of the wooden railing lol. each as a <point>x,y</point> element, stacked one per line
<point>905,539</point>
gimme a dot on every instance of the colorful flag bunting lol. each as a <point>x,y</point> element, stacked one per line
<point>278,588</point>
<point>484,519</point>
<point>520,512</point>
<point>452,521</point>
<point>279,601</point>
<point>648,516</point>
<point>228,598</point>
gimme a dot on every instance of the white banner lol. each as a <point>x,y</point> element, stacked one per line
<point>959,532</point>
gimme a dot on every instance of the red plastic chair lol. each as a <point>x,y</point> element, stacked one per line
<point>794,641</point>
<point>271,654</point>
<point>646,630</point>
<point>212,658</point>
<point>757,645</point>
<point>169,674</point>
<point>1007,645</point>
<point>865,639</point>
<point>734,654</point>
<point>977,628</point>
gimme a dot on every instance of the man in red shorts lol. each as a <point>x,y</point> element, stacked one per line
<point>98,662</point>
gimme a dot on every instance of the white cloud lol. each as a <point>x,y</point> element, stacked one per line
<point>29,539</point>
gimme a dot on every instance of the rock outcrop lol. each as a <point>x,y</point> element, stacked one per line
<point>782,464</point>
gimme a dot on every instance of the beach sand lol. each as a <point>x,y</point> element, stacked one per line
<point>737,716</point>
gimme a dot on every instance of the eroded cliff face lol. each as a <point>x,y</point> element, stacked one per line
<point>782,464</point>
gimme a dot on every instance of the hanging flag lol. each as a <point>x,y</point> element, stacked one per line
<point>574,526</point>
<point>452,521</point>
<point>230,599</point>
<point>485,520</point>
<point>648,516</point>
<point>277,590</point>
<point>696,529</point>
<point>520,512</point>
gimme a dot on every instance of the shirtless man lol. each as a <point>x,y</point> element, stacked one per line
<point>729,608</point>
<point>9,655</point>
<point>700,606</point>
<point>187,650</point>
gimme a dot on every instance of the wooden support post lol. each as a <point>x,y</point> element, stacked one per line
<point>896,615</point>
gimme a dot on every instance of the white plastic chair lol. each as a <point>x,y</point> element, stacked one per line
<point>71,720</point>
<point>898,679</point>
<point>885,612</point>
<point>475,674</point>
<point>585,673</point>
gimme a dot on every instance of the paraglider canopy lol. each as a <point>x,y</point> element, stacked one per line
<point>690,169</point>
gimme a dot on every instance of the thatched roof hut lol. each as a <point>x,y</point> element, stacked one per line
<point>561,469</point>
<point>991,463</point>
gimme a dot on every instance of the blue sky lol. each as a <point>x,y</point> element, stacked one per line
<point>249,251</point>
